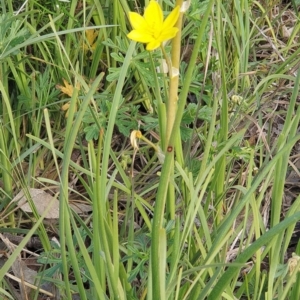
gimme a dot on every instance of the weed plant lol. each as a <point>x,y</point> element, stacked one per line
<point>183,154</point>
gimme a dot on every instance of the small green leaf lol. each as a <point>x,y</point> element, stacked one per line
<point>92,132</point>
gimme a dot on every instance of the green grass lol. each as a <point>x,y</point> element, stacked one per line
<point>205,210</point>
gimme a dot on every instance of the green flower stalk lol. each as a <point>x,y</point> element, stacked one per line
<point>174,76</point>
<point>152,30</point>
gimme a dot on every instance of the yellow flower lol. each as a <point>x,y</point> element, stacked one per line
<point>91,36</point>
<point>152,29</point>
<point>65,108</point>
<point>68,90</point>
<point>135,134</point>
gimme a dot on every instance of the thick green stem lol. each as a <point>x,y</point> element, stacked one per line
<point>173,103</point>
<point>174,76</point>
<point>167,166</point>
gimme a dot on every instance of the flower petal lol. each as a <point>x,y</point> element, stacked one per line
<point>66,106</point>
<point>137,21</point>
<point>139,36</point>
<point>91,35</point>
<point>154,16</point>
<point>153,45</point>
<point>67,89</point>
<point>168,34</point>
<point>135,134</point>
<point>171,19</point>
